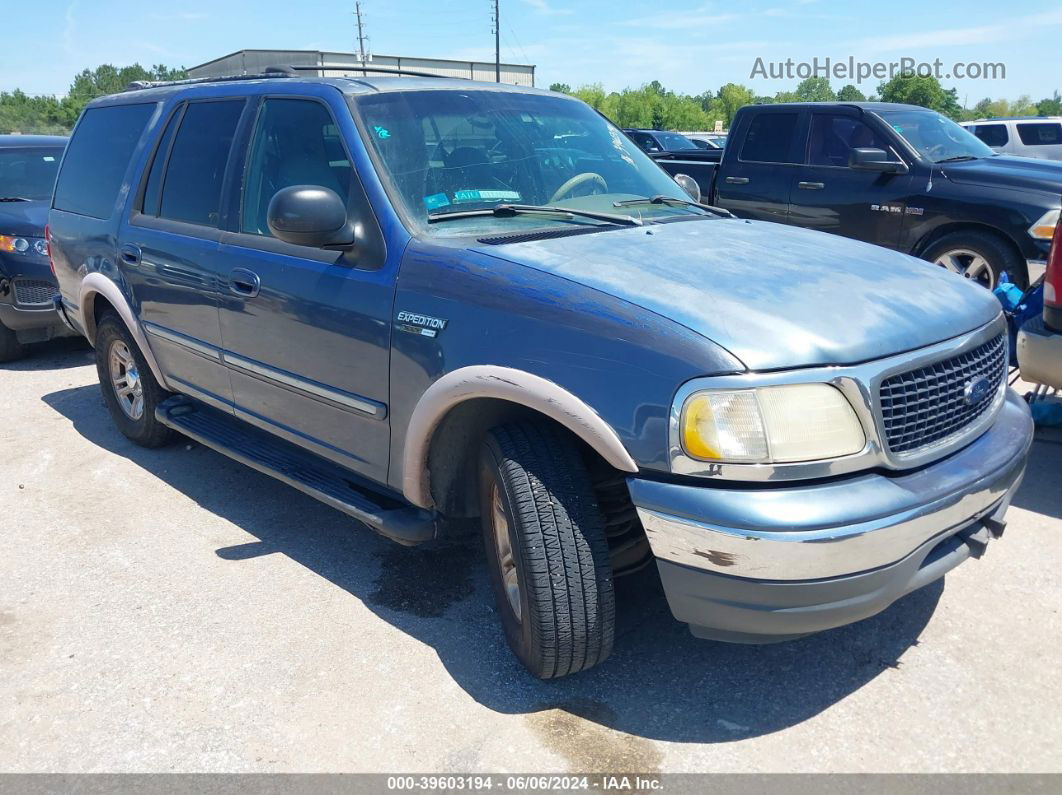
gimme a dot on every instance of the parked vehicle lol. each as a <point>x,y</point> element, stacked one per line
<point>28,165</point>
<point>1037,136</point>
<point>900,176</point>
<point>426,299</point>
<point>709,141</point>
<point>1040,339</point>
<point>652,141</point>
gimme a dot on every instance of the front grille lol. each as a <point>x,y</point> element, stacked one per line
<point>927,405</point>
<point>34,292</point>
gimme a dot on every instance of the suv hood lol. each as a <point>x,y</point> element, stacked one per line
<point>1004,171</point>
<point>23,219</point>
<point>775,296</point>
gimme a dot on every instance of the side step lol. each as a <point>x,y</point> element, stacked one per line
<point>321,479</point>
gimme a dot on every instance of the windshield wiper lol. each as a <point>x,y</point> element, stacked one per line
<point>13,199</point>
<point>662,199</point>
<point>956,159</point>
<point>510,210</point>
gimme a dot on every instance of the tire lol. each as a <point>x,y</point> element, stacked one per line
<point>980,256</point>
<point>10,348</point>
<point>114,340</point>
<point>561,617</point>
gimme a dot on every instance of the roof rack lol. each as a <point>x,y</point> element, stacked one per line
<point>282,71</point>
<point>346,67</point>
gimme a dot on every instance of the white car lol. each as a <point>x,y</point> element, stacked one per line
<point>1034,136</point>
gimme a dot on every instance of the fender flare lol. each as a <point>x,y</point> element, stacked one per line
<point>97,284</point>
<point>514,386</point>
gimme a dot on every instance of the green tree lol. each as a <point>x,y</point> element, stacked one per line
<point>850,93</point>
<point>730,99</point>
<point>815,89</point>
<point>1050,107</point>
<point>921,90</point>
<point>561,88</point>
<point>592,94</point>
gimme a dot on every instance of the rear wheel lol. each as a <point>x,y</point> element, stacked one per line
<point>10,347</point>
<point>980,257</point>
<point>129,388</point>
<point>547,550</point>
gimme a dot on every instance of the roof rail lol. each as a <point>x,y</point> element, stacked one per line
<point>346,67</point>
<point>140,85</point>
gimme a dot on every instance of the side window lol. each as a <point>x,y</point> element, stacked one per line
<point>191,186</point>
<point>97,158</point>
<point>153,191</point>
<point>1039,134</point>
<point>770,138</point>
<point>646,142</point>
<point>992,134</point>
<point>834,136</point>
<point>295,143</point>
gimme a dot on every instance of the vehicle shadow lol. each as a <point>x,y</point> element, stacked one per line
<point>660,683</point>
<point>57,354</point>
<point>1040,490</point>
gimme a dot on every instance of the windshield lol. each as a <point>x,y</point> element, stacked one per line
<point>936,137</point>
<point>28,173</point>
<point>452,151</point>
<point>673,142</point>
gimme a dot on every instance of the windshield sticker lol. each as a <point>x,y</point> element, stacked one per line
<point>382,132</point>
<point>436,200</point>
<point>898,128</point>
<point>485,195</point>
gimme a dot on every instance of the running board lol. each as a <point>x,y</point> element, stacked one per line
<point>316,476</point>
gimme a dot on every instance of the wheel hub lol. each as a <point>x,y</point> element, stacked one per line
<point>125,380</point>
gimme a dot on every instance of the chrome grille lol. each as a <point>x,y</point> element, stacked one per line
<point>924,406</point>
<point>34,292</point>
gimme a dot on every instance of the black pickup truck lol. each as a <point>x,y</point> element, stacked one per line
<point>900,176</point>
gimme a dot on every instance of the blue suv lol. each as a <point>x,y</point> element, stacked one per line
<point>425,300</point>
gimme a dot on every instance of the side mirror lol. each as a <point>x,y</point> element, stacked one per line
<point>309,215</point>
<point>875,160</point>
<point>689,184</point>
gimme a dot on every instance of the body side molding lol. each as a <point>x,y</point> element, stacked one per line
<point>97,284</point>
<point>514,386</point>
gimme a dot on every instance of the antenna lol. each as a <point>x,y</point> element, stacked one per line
<point>497,41</point>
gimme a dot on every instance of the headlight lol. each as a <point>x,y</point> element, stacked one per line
<point>24,245</point>
<point>776,424</point>
<point>1044,229</point>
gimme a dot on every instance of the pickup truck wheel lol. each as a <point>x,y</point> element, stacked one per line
<point>129,388</point>
<point>10,347</point>
<point>547,552</point>
<point>979,256</point>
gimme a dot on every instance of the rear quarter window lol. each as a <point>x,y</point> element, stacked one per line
<point>97,158</point>
<point>1040,134</point>
<point>992,134</point>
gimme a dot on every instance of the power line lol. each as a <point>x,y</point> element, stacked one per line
<point>497,41</point>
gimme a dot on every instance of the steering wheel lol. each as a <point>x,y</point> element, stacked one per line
<point>575,182</point>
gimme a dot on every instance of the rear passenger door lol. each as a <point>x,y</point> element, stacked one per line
<point>169,248</point>
<point>756,178</point>
<point>307,330</point>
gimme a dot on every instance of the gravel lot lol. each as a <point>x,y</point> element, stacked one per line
<point>172,610</point>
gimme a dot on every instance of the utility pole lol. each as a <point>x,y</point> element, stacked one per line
<point>497,41</point>
<point>361,35</point>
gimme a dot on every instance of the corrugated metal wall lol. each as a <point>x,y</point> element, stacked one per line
<point>256,61</point>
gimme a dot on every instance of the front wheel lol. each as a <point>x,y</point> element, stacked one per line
<point>547,550</point>
<point>129,388</point>
<point>980,257</point>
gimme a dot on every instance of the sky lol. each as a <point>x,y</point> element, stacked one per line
<point>688,45</point>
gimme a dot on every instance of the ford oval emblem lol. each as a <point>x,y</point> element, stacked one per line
<point>976,390</point>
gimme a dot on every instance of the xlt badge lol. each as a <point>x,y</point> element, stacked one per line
<point>415,323</point>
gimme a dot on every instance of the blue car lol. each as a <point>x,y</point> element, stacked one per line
<point>28,165</point>
<point>426,300</point>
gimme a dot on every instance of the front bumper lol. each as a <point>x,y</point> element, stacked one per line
<point>769,563</point>
<point>1040,354</point>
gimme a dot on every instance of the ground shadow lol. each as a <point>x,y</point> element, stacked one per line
<point>660,682</point>
<point>57,354</point>
<point>1040,491</point>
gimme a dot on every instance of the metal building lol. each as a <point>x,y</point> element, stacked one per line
<point>243,62</point>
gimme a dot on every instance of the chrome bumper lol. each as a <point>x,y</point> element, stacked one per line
<point>837,528</point>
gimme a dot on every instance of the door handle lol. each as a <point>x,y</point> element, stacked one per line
<point>130,254</point>
<point>811,185</point>
<point>245,283</point>
<point>737,180</point>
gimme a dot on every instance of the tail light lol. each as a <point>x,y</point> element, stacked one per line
<point>1053,282</point>
<point>48,243</point>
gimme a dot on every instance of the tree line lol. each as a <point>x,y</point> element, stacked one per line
<point>654,107</point>
<point>48,115</point>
